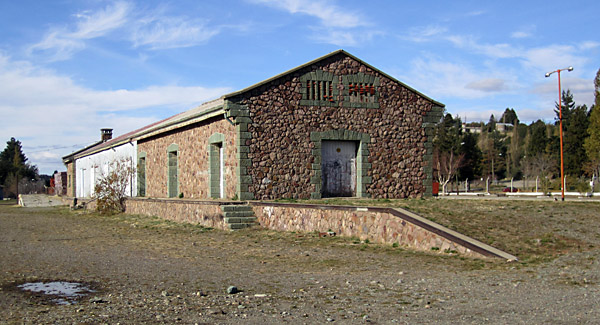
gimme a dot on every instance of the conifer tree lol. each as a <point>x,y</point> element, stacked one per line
<point>592,143</point>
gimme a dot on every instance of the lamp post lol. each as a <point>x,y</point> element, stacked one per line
<point>562,166</point>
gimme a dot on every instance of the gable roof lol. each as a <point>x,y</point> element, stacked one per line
<point>68,158</point>
<point>283,74</point>
<point>215,107</point>
<point>115,142</point>
<point>206,110</point>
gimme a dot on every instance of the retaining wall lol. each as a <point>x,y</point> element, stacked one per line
<point>378,225</point>
<point>205,213</point>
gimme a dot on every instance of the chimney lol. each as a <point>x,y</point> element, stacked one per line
<point>106,134</point>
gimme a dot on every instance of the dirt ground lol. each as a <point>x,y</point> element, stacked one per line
<point>146,270</point>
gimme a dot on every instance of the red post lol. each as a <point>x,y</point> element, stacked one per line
<point>562,166</point>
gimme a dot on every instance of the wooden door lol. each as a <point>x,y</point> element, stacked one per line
<point>338,168</point>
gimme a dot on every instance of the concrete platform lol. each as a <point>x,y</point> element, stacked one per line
<point>40,200</point>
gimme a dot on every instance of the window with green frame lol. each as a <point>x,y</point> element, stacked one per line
<point>141,176</point>
<point>172,171</point>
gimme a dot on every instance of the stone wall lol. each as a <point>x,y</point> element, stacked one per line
<point>281,121</point>
<point>378,225</point>
<point>375,225</point>
<point>205,213</point>
<point>193,159</point>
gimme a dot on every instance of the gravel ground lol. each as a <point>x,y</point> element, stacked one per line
<point>147,270</point>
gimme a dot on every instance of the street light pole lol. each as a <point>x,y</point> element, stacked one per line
<point>562,166</point>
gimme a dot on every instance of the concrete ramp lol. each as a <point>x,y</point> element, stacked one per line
<point>39,200</point>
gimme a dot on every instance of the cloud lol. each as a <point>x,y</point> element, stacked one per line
<point>61,43</point>
<point>338,26</point>
<point>102,22</point>
<point>440,78</point>
<point>536,59</point>
<point>589,45</point>
<point>488,85</point>
<point>552,57</point>
<point>329,14</point>
<point>524,32</point>
<point>44,108</point>
<point>154,30</point>
<point>344,37</point>
<point>424,33</point>
<point>520,34</point>
<point>171,32</point>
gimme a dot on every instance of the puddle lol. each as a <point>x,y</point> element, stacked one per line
<point>59,292</point>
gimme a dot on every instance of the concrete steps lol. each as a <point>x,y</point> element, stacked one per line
<point>239,216</point>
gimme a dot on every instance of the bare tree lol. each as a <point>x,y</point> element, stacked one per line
<point>529,169</point>
<point>447,165</point>
<point>544,165</point>
<point>111,188</point>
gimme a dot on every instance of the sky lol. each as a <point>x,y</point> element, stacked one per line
<point>71,67</point>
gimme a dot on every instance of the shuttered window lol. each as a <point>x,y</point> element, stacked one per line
<point>141,177</point>
<point>172,171</point>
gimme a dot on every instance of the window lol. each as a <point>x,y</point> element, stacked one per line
<point>141,176</point>
<point>361,91</point>
<point>319,88</point>
<point>172,170</point>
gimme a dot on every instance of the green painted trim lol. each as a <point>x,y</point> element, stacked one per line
<point>141,174</point>
<point>173,149</point>
<point>362,159</point>
<point>241,119</point>
<point>215,142</point>
<point>430,120</point>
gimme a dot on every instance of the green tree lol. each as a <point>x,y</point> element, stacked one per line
<point>13,162</point>
<point>471,166</point>
<point>538,138</point>
<point>592,143</point>
<point>515,152</point>
<point>510,116</point>
<point>491,125</point>
<point>568,104</point>
<point>448,134</point>
<point>575,126</point>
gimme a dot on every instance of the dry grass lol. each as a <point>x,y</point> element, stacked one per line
<point>532,230</point>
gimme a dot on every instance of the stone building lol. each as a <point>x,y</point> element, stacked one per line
<point>335,126</point>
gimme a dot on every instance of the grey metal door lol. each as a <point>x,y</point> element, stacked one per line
<point>338,168</point>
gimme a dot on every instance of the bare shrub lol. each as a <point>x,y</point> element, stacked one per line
<point>111,188</point>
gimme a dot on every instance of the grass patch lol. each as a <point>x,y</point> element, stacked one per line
<point>8,202</point>
<point>534,231</point>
